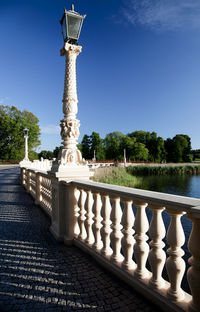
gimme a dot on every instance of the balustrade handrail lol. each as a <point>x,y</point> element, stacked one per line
<point>188,204</point>
<point>42,172</point>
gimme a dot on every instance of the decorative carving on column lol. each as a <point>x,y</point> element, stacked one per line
<point>69,129</point>
<point>69,155</point>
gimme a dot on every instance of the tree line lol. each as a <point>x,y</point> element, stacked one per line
<point>139,145</point>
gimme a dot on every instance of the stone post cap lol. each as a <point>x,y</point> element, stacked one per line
<point>70,47</point>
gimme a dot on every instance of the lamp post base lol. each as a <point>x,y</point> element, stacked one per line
<point>70,165</point>
<point>70,172</point>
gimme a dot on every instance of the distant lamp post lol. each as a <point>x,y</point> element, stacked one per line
<point>26,144</point>
<point>70,159</point>
<point>94,158</point>
<point>124,157</point>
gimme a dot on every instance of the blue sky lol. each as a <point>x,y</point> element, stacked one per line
<point>139,69</point>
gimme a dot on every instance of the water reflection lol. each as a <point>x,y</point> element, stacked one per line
<point>178,185</point>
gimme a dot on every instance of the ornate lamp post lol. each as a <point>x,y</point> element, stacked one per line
<point>26,144</point>
<point>69,165</point>
<point>70,157</point>
<point>124,157</point>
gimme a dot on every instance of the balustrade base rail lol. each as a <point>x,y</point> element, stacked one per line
<point>157,296</point>
<point>100,219</point>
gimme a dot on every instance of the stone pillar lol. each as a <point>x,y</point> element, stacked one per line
<point>58,221</point>
<point>69,161</point>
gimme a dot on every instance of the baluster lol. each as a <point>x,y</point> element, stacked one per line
<point>175,264</point>
<point>38,188</point>
<point>97,221</point>
<point>116,235</point>
<point>76,212</point>
<point>193,274</point>
<point>89,215</point>
<point>141,248</point>
<point>30,184</point>
<point>28,181</point>
<point>157,255</point>
<point>41,188</point>
<point>128,240</point>
<point>81,219</point>
<point>106,230</point>
<point>22,176</point>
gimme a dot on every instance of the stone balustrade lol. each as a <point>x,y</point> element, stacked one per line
<point>39,185</point>
<point>43,164</point>
<point>100,165</point>
<point>124,230</point>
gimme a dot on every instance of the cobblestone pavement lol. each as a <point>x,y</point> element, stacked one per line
<point>38,274</point>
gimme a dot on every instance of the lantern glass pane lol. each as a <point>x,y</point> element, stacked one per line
<point>64,31</point>
<point>73,26</point>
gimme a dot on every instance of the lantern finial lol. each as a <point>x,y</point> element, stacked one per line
<point>71,23</point>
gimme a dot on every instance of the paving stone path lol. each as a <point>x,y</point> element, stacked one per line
<point>38,274</point>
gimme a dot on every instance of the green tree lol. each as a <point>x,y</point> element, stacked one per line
<point>112,145</point>
<point>96,144</point>
<point>12,125</point>
<point>141,136</point>
<point>140,152</point>
<point>85,147</point>
<point>195,154</point>
<point>169,149</point>
<point>46,154</point>
<point>187,152</point>
<point>156,147</point>
<point>127,143</point>
<point>56,151</point>
<point>154,144</point>
<point>179,148</point>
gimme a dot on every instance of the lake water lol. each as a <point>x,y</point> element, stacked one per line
<point>178,185</point>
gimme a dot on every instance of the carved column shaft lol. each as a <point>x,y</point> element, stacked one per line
<point>70,99</point>
<point>69,124</point>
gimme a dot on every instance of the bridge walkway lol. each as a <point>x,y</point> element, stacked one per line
<point>39,274</point>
